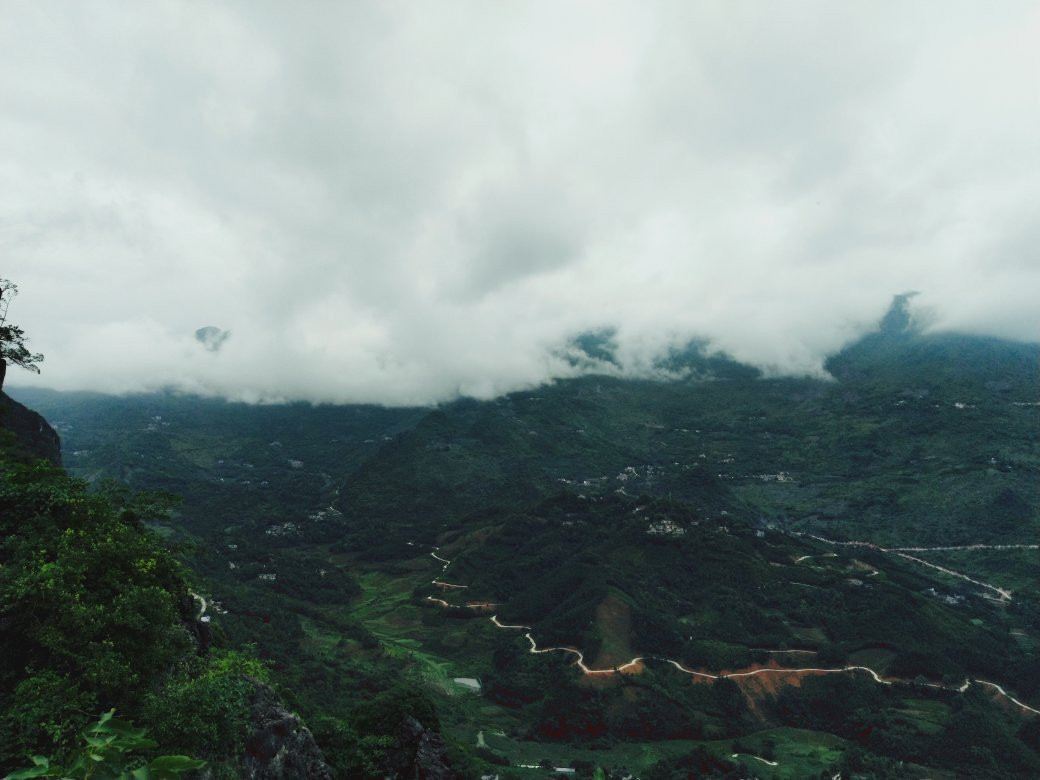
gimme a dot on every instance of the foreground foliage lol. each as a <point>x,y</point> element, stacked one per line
<point>92,607</point>
<point>107,755</point>
<point>96,614</point>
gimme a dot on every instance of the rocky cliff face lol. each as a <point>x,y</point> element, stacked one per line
<point>430,761</point>
<point>33,435</point>
<point>280,747</point>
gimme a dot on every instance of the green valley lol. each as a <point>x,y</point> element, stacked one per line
<point>709,571</point>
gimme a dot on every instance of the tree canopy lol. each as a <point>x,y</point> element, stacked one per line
<point>12,338</point>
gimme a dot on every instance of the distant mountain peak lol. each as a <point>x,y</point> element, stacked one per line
<point>898,320</point>
<point>212,337</point>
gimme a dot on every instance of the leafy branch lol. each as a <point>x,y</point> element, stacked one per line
<point>107,756</point>
<point>12,338</point>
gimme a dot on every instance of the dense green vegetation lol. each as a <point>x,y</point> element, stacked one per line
<point>719,589</point>
<point>109,755</point>
<point>672,519</point>
<point>963,732</point>
<point>97,614</point>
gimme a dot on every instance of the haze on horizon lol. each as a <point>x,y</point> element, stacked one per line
<point>400,203</point>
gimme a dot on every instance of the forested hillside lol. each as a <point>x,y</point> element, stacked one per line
<point>99,613</point>
<point>699,571</point>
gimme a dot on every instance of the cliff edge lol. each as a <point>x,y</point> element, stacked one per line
<point>33,435</point>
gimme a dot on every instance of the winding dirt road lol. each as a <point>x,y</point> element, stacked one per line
<point>638,660</point>
<point>437,580</point>
<point>750,673</point>
<point>757,758</point>
<point>903,552</point>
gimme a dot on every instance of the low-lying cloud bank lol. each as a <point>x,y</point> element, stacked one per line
<point>401,204</point>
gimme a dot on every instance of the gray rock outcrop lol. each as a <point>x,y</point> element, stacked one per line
<point>431,761</point>
<point>279,746</point>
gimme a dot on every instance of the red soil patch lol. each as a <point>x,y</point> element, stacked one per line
<point>637,668</point>
<point>610,680</point>
<point>1005,703</point>
<point>761,685</point>
<point>482,607</point>
<point>770,664</point>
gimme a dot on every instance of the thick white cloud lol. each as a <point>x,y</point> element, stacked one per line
<point>400,202</point>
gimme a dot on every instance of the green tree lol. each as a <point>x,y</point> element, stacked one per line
<point>91,603</point>
<point>203,708</point>
<point>12,338</point>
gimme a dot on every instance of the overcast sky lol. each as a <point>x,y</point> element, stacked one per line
<point>402,202</point>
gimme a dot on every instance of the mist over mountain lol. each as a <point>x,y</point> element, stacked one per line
<point>239,370</point>
<point>404,205</point>
<point>511,390</point>
<point>709,566</point>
